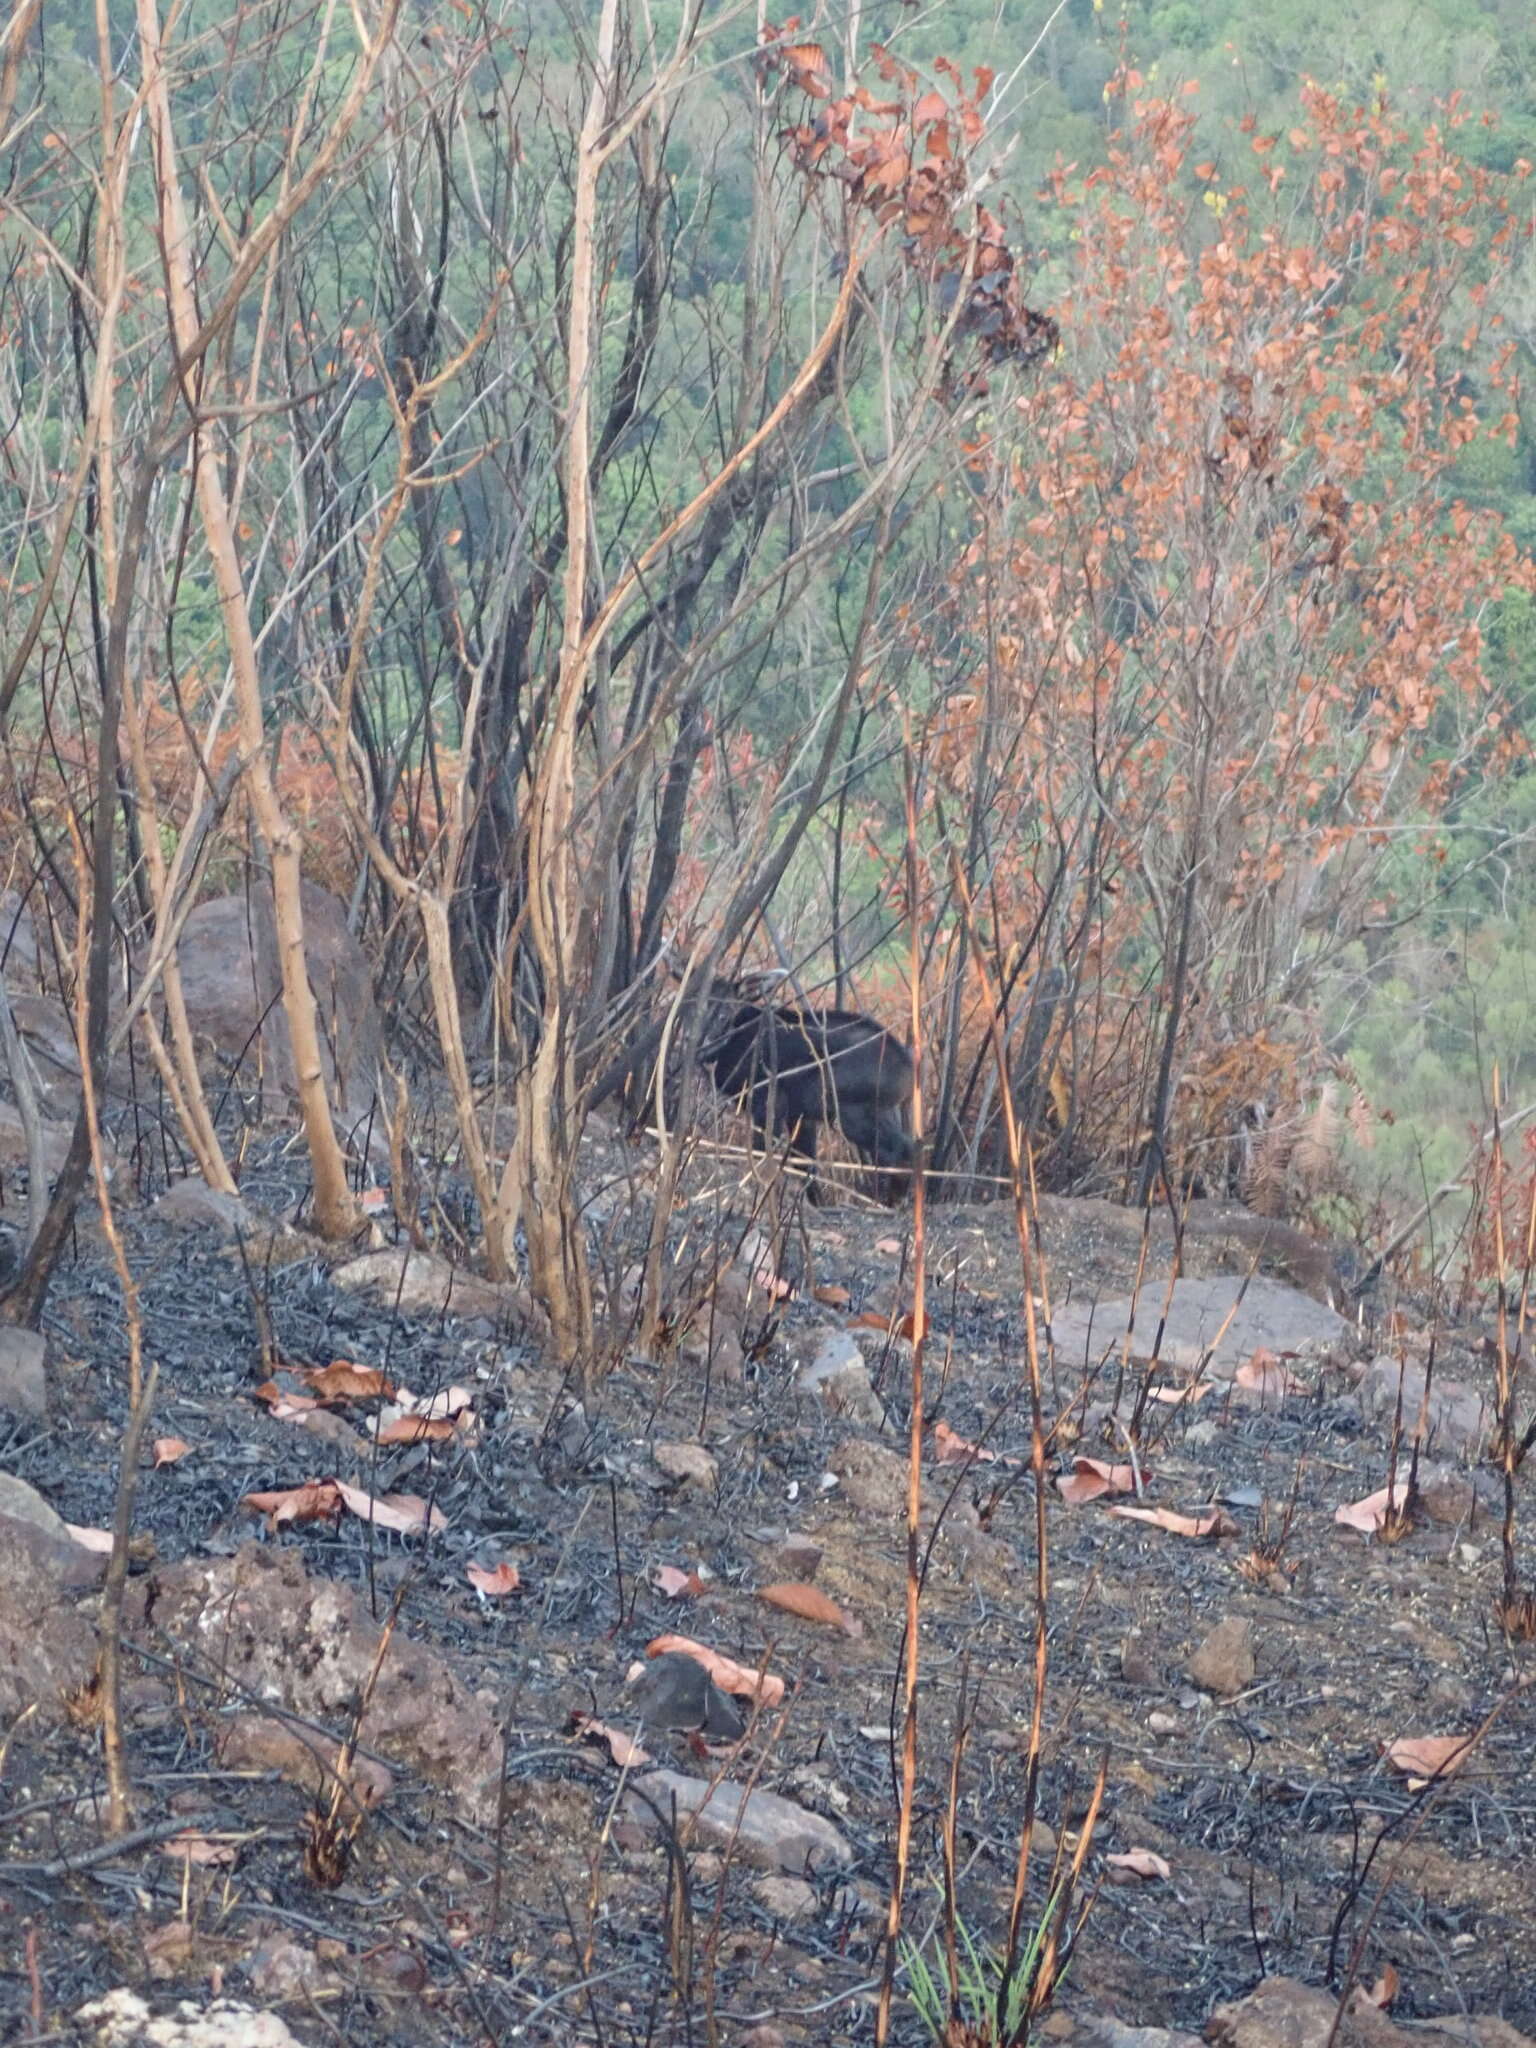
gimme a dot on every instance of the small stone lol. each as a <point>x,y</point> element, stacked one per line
<point>1224,1663</point>
<point>283,1968</point>
<point>768,1830</point>
<point>1137,1667</point>
<point>199,1207</point>
<point>790,1556</point>
<point>786,1898</point>
<point>689,1463</point>
<point>23,1387</point>
<point>838,1377</point>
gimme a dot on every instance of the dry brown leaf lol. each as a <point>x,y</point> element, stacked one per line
<point>1423,1757</point>
<point>809,1603</point>
<point>1176,1396</point>
<point>169,1448</point>
<point>284,1404</point>
<point>496,1581</point>
<point>1140,1863</point>
<point>952,1449</point>
<point>889,1245</point>
<point>343,1381</point>
<point>1214,1521</point>
<point>202,1850</point>
<point>448,1401</point>
<point>676,1583</point>
<point>772,1284</point>
<point>832,1297</point>
<point>403,1512</point>
<point>622,1747</point>
<point>99,1540</point>
<point>1384,1990</point>
<point>1369,1514</point>
<point>1091,1478</point>
<point>415,1429</point>
<point>740,1679</point>
<point>898,1323</point>
<point>316,1500</point>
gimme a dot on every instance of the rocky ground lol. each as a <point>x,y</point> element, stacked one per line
<point>373,1801</point>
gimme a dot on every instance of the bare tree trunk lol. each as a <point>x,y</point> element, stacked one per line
<point>335,1212</point>
<point>543,1154</point>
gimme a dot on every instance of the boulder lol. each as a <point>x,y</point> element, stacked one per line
<point>23,1385</point>
<point>232,981</point>
<point>1442,1413</point>
<point>47,1647</point>
<point>1271,1317</point>
<point>767,1830</point>
<point>308,1645</point>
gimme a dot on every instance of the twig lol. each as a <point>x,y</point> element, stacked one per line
<point>104,1852</point>
<point>109,1667</point>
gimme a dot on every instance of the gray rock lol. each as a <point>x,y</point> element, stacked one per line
<point>1272,1317</point>
<point>690,1464</point>
<point>786,1898</point>
<point>200,1207</point>
<point>1281,2013</point>
<point>1445,1415</point>
<point>23,1383</point>
<point>769,1831</point>
<point>47,1648</point>
<point>838,1377</point>
<point>24,1503</point>
<point>309,1645</point>
<point>231,979</point>
<point>423,1285</point>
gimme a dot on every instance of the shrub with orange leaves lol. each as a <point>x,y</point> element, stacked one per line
<point>1219,635</point>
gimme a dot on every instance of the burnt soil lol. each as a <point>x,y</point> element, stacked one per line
<point>1289,1839</point>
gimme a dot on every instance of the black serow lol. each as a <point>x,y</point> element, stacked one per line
<point>796,1069</point>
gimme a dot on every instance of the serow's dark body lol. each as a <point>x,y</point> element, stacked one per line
<point>795,1070</point>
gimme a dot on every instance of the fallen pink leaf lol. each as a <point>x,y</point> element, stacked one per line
<point>1423,1757</point>
<point>1140,1863</point>
<point>1213,1522</point>
<point>1092,1478</point>
<point>495,1581</point>
<point>1369,1514</point>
